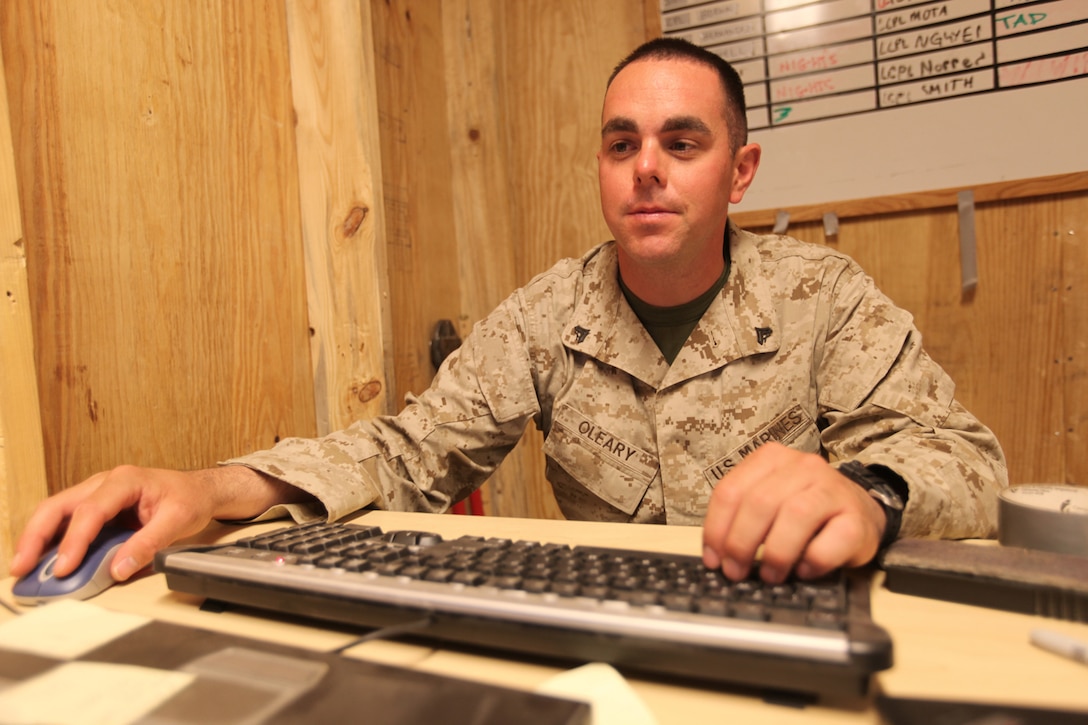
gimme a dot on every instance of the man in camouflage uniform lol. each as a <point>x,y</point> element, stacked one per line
<point>688,372</point>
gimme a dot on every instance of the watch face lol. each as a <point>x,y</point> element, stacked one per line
<point>883,493</point>
<point>871,482</point>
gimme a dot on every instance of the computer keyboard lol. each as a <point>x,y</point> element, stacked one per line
<point>644,612</point>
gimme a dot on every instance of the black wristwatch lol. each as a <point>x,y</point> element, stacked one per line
<point>883,492</point>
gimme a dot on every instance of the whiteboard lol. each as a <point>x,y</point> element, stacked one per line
<point>1006,136</point>
<point>854,99</point>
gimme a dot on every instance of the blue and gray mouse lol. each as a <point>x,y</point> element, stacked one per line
<point>91,577</point>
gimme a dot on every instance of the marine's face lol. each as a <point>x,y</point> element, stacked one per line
<point>666,170</point>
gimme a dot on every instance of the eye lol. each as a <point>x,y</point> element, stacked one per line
<point>682,146</point>
<point>621,147</point>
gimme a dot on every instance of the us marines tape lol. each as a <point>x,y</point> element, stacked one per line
<point>1048,517</point>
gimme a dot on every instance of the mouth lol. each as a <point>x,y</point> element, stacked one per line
<point>649,211</point>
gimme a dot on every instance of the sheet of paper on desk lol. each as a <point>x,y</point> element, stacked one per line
<point>614,702</point>
<point>66,629</point>
<point>88,693</point>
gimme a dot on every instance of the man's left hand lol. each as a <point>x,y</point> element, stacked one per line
<point>808,517</point>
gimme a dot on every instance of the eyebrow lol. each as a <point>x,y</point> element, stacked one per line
<point>619,124</point>
<point>685,123</point>
<point>622,124</point>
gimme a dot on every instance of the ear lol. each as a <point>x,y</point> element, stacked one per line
<point>745,164</point>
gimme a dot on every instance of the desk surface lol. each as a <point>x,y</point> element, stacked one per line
<point>943,650</point>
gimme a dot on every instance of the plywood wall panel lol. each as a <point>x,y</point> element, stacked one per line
<point>158,180</point>
<point>551,64</point>
<point>482,219</point>
<point>343,214</point>
<point>1072,231</point>
<point>22,454</point>
<point>556,60</point>
<point>416,182</point>
<point>489,134</point>
<point>483,210</point>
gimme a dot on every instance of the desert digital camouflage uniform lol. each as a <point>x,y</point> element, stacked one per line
<point>799,347</point>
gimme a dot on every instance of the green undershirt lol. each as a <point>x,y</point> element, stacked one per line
<point>670,326</point>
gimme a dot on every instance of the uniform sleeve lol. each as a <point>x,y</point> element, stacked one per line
<point>440,447</point>
<point>886,402</point>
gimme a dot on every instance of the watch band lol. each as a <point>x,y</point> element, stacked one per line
<point>883,492</point>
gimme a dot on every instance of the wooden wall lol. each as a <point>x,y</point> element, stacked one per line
<point>243,220</point>
<point>155,152</point>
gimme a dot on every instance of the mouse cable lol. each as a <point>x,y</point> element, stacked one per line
<point>393,630</point>
<point>10,607</point>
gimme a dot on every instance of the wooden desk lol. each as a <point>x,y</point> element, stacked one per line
<point>942,650</point>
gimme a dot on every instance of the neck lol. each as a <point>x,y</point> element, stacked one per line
<point>663,287</point>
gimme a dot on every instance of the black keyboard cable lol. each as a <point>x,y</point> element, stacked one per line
<point>389,632</point>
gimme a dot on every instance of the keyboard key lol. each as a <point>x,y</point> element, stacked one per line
<point>414,571</point>
<point>439,575</point>
<point>788,615</point>
<point>829,602</point>
<point>753,611</point>
<point>385,555</point>
<point>470,578</point>
<point>641,598</point>
<point>713,606</point>
<point>355,564</point>
<point>566,588</point>
<point>678,602</point>
<point>595,591</point>
<point>826,620</point>
<point>390,569</point>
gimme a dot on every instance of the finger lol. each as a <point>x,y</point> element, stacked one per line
<point>755,517</point>
<point>167,524</point>
<point>726,498</point>
<point>47,522</point>
<point>849,539</point>
<point>720,512</point>
<point>800,519</point>
<point>120,489</point>
<point>135,554</point>
<point>743,507</point>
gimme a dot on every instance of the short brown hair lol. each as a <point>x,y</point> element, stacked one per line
<point>732,86</point>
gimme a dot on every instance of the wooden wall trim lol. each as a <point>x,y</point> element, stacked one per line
<point>919,201</point>
<point>22,454</point>
<point>343,218</point>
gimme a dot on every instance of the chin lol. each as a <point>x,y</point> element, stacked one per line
<point>649,250</point>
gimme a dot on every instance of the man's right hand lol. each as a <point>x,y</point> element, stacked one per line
<point>167,505</point>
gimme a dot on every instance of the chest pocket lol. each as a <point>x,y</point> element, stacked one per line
<point>611,468</point>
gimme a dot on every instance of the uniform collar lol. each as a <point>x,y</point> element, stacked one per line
<point>742,321</point>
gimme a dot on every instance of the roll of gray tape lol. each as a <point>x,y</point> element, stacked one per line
<point>1048,517</point>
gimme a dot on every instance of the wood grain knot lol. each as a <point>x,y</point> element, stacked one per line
<point>354,220</point>
<point>365,392</point>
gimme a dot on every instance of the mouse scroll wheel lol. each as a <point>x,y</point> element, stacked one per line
<point>47,570</point>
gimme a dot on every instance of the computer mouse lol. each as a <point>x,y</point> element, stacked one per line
<point>91,577</point>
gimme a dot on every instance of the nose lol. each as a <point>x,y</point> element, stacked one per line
<point>649,168</point>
